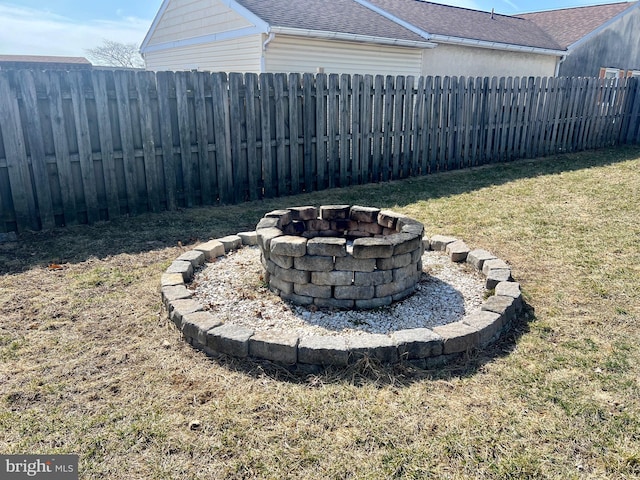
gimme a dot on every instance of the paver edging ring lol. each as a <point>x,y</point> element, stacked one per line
<point>422,347</point>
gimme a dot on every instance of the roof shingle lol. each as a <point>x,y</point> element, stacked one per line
<point>568,25</point>
<point>466,23</point>
<point>342,16</point>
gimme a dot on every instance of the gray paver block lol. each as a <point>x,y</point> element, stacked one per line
<point>403,294</point>
<point>388,219</point>
<point>281,347</point>
<point>332,247</point>
<point>355,264</point>
<point>396,261</point>
<point>306,212</point>
<point>323,350</point>
<point>284,217</point>
<point>332,278</point>
<point>503,305</point>
<point>369,228</point>
<point>380,347</point>
<point>196,325</point>
<point>379,277</point>
<point>169,279</point>
<point>231,242</point>
<point>334,212</point>
<point>439,242</point>
<point>372,248</point>
<point>477,257</point>
<point>289,245</point>
<point>283,286</point>
<point>282,261</point>
<point>510,289</point>
<point>266,222</point>
<point>313,263</point>
<point>296,227</point>
<point>297,299</point>
<point>311,290</point>
<point>376,302</point>
<point>179,308</point>
<point>457,251</point>
<point>493,264</point>
<point>316,225</point>
<point>291,275</point>
<point>354,292</point>
<point>182,267</point>
<point>196,257</point>
<point>404,242</point>
<point>414,343</point>
<point>230,339</point>
<point>265,235</point>
<point>211,249</point>
<point>495,276</point>
<point>488,324</point>
<point>249,238</point>
<point>409,272</point>
<point>457,337</point>
<point>410,225</point>
<point>364,214</point>
<point>176,292</point>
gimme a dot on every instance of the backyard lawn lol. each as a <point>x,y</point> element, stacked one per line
<point>90,365</point>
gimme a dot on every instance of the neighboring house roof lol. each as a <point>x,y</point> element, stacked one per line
<point>446,22</point>
<point>43,59</point>
<point>404,22</point>
<point>569,25</point>
<point>341,16</point>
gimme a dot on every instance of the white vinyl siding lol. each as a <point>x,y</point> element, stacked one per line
<point>308,55</point>
<point>456,60</point>
<point>237,55</point>
<point>194,18</point>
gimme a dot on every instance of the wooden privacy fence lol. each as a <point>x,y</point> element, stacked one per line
<point>78,147</point>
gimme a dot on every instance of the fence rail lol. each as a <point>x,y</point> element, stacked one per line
<point>78,147</point>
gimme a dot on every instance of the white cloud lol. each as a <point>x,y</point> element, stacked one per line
<point>461,3</point>
<point>511,4</point>
<point>27,31</point>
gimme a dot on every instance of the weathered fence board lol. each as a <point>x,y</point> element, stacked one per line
<point>80,147</point>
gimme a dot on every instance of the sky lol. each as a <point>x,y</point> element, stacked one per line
<point>70,27</point>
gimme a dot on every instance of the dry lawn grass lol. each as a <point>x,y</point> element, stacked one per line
<point>89,365</point>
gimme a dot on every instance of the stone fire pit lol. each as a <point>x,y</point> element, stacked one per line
<point>341,256</point>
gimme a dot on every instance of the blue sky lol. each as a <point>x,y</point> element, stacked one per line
<point>69,27</point>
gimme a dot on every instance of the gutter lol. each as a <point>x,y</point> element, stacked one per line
<point>510,47</point>
<point>351,37</point>
<point>558,63</point>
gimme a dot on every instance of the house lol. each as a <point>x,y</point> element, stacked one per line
<point>601,40</point>
<point>396,37</point>
<point>43,62</point>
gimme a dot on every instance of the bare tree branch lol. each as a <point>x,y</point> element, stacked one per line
<point>116,54</point>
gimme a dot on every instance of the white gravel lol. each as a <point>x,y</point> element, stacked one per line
<point>233,288</point>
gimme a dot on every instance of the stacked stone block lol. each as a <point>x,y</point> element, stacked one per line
<point>341,256</point>
<point>424,347</point>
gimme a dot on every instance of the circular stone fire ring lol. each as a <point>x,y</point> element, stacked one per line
<point>422,347</point>
<point>340,256</point>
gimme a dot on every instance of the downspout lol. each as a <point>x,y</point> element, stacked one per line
<point>558,63</point>
<point>264,49</point>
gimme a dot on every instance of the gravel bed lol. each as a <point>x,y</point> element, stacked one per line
<point>233,288</point>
